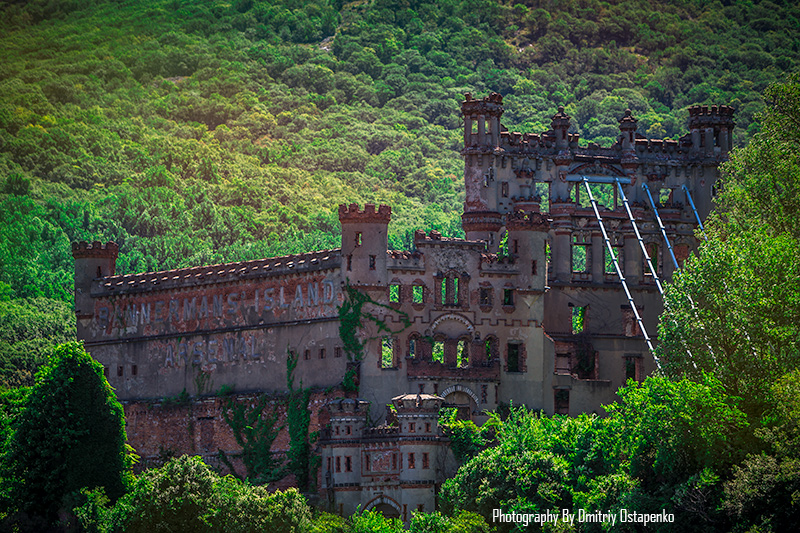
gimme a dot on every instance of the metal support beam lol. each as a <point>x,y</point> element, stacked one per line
<point>661,226</point>
<point>696,214</point>
<point>620,274</point>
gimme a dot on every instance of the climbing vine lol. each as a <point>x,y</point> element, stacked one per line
<point>301,462</point>
<point>255,432</point>
<point>351,319</point>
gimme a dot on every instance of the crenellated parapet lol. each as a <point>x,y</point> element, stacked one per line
<point>84,250</point>
<point>370,213</point>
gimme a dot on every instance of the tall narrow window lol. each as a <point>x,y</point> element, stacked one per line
<point>562,401</point>
<point>322,353</point>
<point>417,294</point>
<point>358,239</point>
<point>508,296</point>
<point>372,262</point>
<point>580,262</point>
<point>438,351</point>
<point>486,296</point>
<point>425,460</point>
<point>350,262</point>
<point>455,291</point>
<point>504,189</point>
<point>348,464</point>
<point>462,354</point>
<point>411,462</point>
<point>578,320</point>
<point>394,293</point>
<point>412,347</point>
<point>513,357</point>
<point>387,353</point>
<point>338,463</point>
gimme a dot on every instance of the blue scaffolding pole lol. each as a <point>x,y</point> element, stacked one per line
<point>661,226</point>
<point>694,210</point>
<point>619,273</point>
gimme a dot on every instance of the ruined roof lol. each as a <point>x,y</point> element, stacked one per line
<point>226,272</point>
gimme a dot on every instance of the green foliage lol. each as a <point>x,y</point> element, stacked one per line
<point>70,435</point>
<point>255,431</point>
<point>466,438</point>
<point>302,463</point>
<point>186,495</point>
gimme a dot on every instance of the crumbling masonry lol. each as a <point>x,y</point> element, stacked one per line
<point>527,308</point>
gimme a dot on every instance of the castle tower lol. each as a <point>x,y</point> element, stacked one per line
<point>711,129</point>
<point>481,219</point>
<point>92,261</point>
<point>527,235</point>
<point>365,240</point>
<point>341,450</point>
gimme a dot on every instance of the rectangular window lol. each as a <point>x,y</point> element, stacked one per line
<point>394,461</point>
<point>338,463</point>
<point>580,262</point>
<point>412,428</point>
<point>412,348</point>
<point>134,370</point>
<point>443,291</point>
<point>372,262</point>
<point>367,464</point>
<point>504,189</point>
<point>578,320</point>
<point>322,353</point>
<point>562,402</point>
<point>337,352</point>
<point>120,370</point>
<point>462,354</point>
<point>438,352</point>
<point>633,367</point>
<point>484,393</point>
<point>348,464</point>
<point>358,239</point>
<point>347,430</point>
<point>387,353</point>
<point>455,291</point>
<point>515,247</point>
<point>349,262</point>
<point>427,427</point>
<point>425,460</point>
<point>422,388</point>
<point>533,267</point>
<point>486,297</point>
<point>417,294</point>
<point>307,355</point>
<point>330,464</point>
<point>609,267</point>
<point>411,462</point>
<point>394,293</point>
<point>513,357</point>
<point>508,296</point>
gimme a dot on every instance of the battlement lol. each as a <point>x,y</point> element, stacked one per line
<point>488,105</point>
<point>352,213</point>
<point>724,112</point>
<point>83,250</point>
<point>417,402</point>
<point>347,406</point>
<point>435,238</point>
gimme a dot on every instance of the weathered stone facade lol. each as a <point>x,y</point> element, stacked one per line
<point>526,309</point>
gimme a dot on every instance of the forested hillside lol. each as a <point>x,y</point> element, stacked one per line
<point>193,132</point>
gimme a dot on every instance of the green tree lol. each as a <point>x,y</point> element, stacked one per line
<point>70,435</point>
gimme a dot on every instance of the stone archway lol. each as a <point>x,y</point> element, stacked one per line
<point>463,399</point>
<point>385,505</point>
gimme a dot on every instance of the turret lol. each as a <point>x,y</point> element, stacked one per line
<point>527,235</point>
<point>560,125</point>
<point>711,128</point>
<point>483,115</point>
<point>92,261</point>
<point>365,240</point>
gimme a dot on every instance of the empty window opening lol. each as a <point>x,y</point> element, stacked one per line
<point>486,296</point>
<point>348,464</point>
<point>394,461</point>
<point>372,262</point>
<point>387,353</point>
<point>394,293</point>
<point>655,262</point>
<point>578,319</point>
<point>307,355</point>
<point>134,370</point>
<point>412,347</point>
<point>543,192</point>
<point>438,352</point>
<point>99,272</point>
<point>120,371</point>
<point>425,460</point>
<point>412,428</point>
<point>515,247</point>
<point>504,189</point>
<point>633,367</point>
<point>608,263</point>
<point>443,291</point>
<point>347,430</point>
<point>533,267</point>
<point>338,463</point>
<point>484,393</point>
<point>508,296</point>
<point>427,427</point>
<point>358,239</point>
<point>417,294</point>
<point>604,194</point>
<point>561,401</point>
<point>337,352</point>
<point>455,291</point>
<point>349,262</point>
<point>491,346</point>
<point>513,357</point>
<point>665,196</point>
<point>462,354</point>
<point>322,353</point>
<point>411,461</point>
<point>580,260</point>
